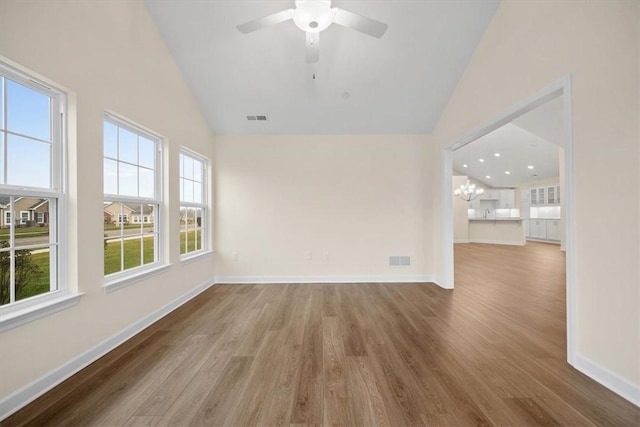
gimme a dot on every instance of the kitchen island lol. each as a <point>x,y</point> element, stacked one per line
<point>502,231</point>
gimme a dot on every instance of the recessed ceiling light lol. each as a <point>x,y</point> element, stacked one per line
<point>530,167</point>
<point>465,165</point>
<point>481,160</point>
<point>507,173</point>
<point>488,177</point>
<point>496,154</point>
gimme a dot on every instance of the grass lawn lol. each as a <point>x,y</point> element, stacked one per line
<point>25,232</point>
<point>188,241</point>
<point>39,283</point>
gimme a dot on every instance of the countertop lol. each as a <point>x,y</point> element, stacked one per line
<point>495,219</point>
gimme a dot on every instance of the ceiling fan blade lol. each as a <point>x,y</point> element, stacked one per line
<point>313,47</point>
<point>358,22</point>
<point>266,21</point>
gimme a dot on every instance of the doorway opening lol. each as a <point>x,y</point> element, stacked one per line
<point>516,202</point>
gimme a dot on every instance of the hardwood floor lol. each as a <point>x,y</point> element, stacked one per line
<point>492,352</point>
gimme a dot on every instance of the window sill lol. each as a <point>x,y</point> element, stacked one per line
<point>195,256</point>
<point>28,314</point>
<point>113,284</point>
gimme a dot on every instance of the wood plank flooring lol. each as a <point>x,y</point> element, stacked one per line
<point>491,352</point>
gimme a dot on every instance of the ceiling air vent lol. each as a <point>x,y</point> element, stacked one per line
<point>259,117</point>
<point>399,261</point>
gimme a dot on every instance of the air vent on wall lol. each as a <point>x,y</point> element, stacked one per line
<point>399,261</point>
<point>260,117</point>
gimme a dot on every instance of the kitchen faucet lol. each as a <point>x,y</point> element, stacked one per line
<point>486,213</point>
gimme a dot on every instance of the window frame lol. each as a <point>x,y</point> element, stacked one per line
<point>204,205</point>
<point>125,277</point>
<point>59,296</point>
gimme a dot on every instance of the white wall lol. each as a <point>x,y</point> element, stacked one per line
<point>359,197</point>
<point>460,213</point>
<point>529,45</point>
<point>110,56</point>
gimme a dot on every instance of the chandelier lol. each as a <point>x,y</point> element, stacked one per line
<point>468,191</point>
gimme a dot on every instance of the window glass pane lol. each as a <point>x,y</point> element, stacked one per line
<point>128,183</point>
<point>110,176</point>
<point>28,231</point>
<point>181,164</point>
<point>128,145</point>
<point>32,275</point>
<point>147,182</point>
<point>183,229</point>
<point>149,249</point>
<point>188,167</point>
<point>112,255</point>
<point>132,255</point>
<point>28,111</point>
<point>110,140</point>
<point>1,102</point>
<point>181,189</point>
<point>28,162</point>
<point>2,157</point>
<point>5,265</point>
<point>197,170</point>
<point>197,192</point>
<point>146,151</point>
<point>198,233</point>
<point>187,195</point>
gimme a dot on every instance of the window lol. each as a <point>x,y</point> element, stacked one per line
<point>132,178</point>
<point>193,203</point>
<point>40,217</point>
<point>31,156</point>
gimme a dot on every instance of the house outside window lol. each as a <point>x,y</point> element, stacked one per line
<point>132,187</point>
<point>31,175</point>
<point>40,217</point>
<point>193,203</point>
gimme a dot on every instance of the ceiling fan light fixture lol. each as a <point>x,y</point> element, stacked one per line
<point>312,16</point>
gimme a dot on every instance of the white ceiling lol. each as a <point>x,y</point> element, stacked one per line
<point>533,139</point>
<point>399,84</point>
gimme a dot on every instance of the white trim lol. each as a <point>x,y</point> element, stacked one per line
<point>29,312</point>
<point>553,242</point>
<point>195,256</point>
<point>560,88</point>
<point>608,378</point>
<point>461,241</point>
<point>137,274</point>
<point>499,242</point>
<point>46,382</point>
<point>323,279</point>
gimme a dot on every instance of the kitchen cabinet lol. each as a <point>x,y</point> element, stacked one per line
<point>545,196</point>
<point>507,199</point>
<point>538,229</point>
<point>553,195</point>
<point>553,229</point>
<point>490,194</point>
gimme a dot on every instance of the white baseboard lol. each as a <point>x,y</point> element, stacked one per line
<point>608,378</point>
<point>323,279</point>
<point>25,395</point>
<point>500,242</point>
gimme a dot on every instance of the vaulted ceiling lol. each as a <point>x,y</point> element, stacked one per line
<point>398,84</point>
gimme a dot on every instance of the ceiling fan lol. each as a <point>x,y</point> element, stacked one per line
<point>314,16</point>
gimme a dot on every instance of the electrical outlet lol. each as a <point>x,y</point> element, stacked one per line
<point>307,255</point>
<point>325,256</point>
<point>235,256</point>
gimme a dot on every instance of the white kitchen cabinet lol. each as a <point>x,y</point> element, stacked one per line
<point>538,229</point>
<point>490,194</point>
<point>553,229</point>
<point>507,199</point>
<point>553,195</point>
